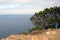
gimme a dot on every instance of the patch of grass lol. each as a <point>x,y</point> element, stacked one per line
<point>23,33</point>
<point>33,29</point>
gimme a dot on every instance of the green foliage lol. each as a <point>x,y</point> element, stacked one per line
<point>33,29</point>
<point>48,15</point>
<point>51,20</point>
<point>23,33</point>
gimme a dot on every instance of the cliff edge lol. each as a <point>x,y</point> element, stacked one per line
<point>50,34</point>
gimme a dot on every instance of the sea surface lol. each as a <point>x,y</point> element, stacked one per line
<point>14,24</point>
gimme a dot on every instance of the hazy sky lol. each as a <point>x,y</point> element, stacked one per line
<point>25,6</point>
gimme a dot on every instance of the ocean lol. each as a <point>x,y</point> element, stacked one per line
<point>14,24</point>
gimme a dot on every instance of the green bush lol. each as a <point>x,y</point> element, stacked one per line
<point>47,17</point>
<point>33,29</point>
<point>23,33</point>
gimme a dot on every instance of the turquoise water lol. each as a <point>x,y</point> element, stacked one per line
<point>14,24</point>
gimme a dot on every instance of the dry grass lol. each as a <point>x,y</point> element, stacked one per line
<point>53,34</point>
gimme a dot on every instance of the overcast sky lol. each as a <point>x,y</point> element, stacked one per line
<point>25,6</point>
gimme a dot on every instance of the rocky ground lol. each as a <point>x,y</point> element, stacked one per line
<point>37,35</point>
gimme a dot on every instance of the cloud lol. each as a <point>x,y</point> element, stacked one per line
<point>26,6</point>
<point>9,6</point>
<point>24,0</point>
<point>13,1</point>
<point>16,8</point>
<point>45,2</point>
<point>38,2</point>
<point>17,11</point>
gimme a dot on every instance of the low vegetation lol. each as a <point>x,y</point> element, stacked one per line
<point>33,29</point>
<point>48,18</point>
<point>23,33</point>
